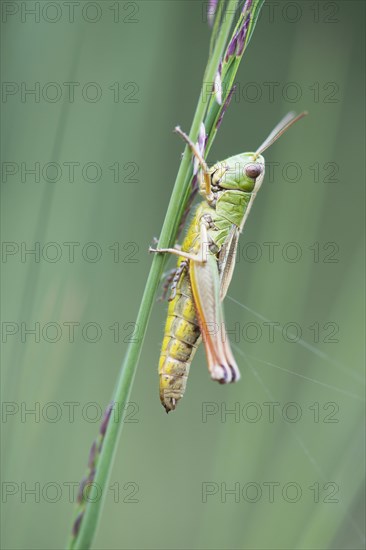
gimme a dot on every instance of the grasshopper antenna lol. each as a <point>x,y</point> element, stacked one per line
<point>280,129</point>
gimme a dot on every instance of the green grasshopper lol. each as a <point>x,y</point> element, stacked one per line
<point>205,267</point>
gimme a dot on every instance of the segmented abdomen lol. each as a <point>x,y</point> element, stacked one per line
<point>181,338</point>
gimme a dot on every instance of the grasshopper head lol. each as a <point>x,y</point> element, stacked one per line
<point>243,172</point>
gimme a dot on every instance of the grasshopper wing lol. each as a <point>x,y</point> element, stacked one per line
<point>205,283</point>
<point>227,259</point>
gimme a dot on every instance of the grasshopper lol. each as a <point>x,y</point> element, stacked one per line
<point>205,267</point>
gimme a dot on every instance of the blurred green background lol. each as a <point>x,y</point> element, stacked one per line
<point>111,81</point>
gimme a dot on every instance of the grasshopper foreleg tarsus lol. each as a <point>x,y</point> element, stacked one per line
<point>201,161</point>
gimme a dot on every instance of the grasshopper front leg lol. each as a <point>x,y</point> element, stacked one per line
<point>205,170</point>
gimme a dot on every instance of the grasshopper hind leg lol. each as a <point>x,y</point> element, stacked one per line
<point>167,279</point>
<point>175,280</point>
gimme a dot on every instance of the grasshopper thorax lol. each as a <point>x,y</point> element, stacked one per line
<point>243,172</point>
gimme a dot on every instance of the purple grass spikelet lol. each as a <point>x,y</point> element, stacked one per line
<point>242,36</point>
<point>76,526</point>
<point>231,49</point>
<point>211,11</point>
<point>202,138</point>
<point>80,495</point>
<point>92,455</point>
<point>225,106</point>
<point>92,462</point>
<point>247,6</point>
<point>105,421</point>
<point>200,146</point>
<point>218,85</point>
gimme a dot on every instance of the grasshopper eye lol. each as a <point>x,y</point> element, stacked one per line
<point>253,170</point>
